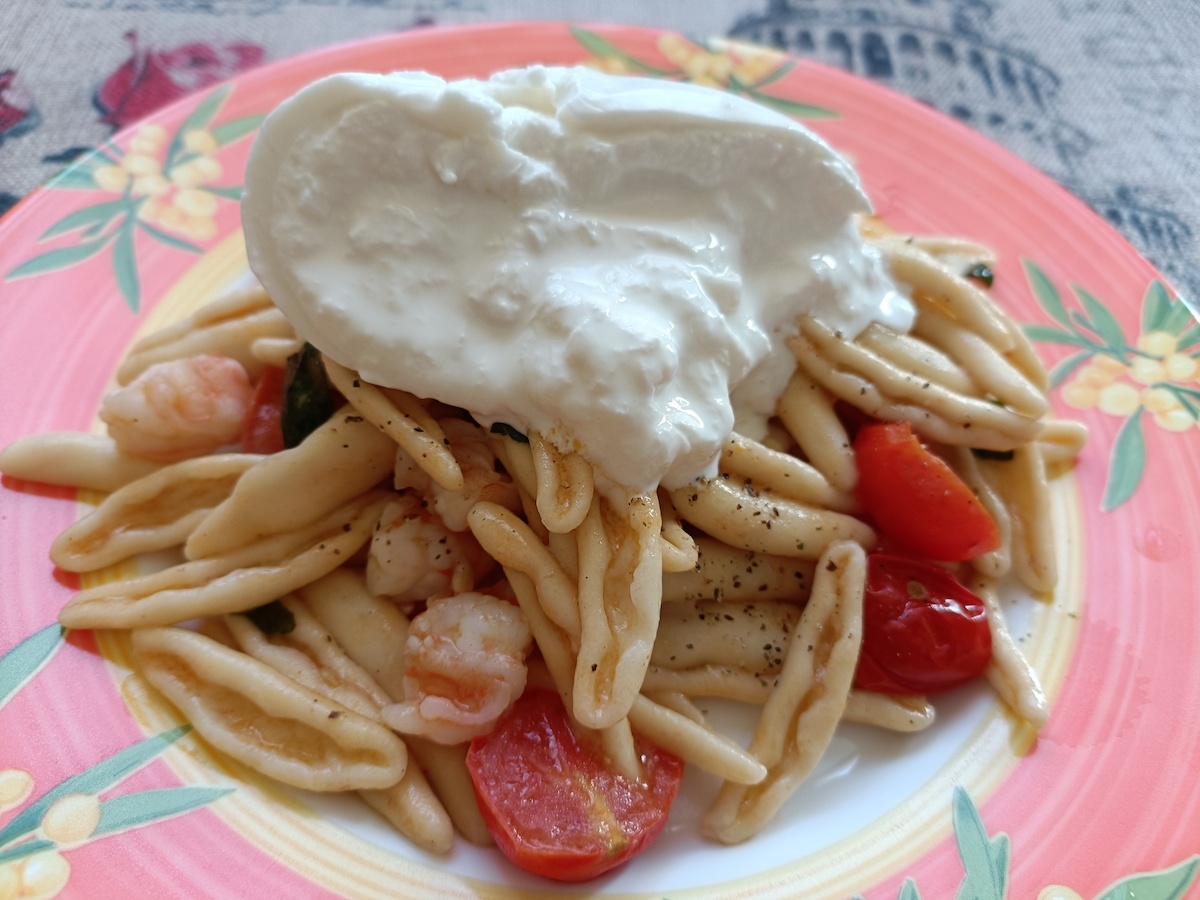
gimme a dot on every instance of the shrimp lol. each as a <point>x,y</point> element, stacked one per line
<point>464,667</point>
<point>414,556</point>
<point>179,409</point>
<point>481,480</point>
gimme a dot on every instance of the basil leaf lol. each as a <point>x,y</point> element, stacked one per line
<point>509,432</point>
<point>272,618</point>
<point>982,273</point>
<point>307,396</point>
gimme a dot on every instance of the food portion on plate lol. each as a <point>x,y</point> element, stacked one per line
<point>560,402</point>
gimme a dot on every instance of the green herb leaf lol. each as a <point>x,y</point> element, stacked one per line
<point>100,777</point>
<point>26,659</point>
<point>1126,464</point>
<point>97,214</point>
<point>1064,367</point>
<point>1045,292</point>
<point>272,618</point>
<point>997,455</point>
<point>908,890</point>
<point>1104,322</point>
<point>509,432</point>
<point>985,860</point>
<point>1048,334</point>
<point>307,396</point>
<point>1165,884</point>
<point>61,258</point>
<point>125,267</point>
<point>229,132</point>
<point>146,807</point>
<point>982,273</point>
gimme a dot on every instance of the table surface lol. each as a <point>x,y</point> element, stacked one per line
<point>1100,94</point>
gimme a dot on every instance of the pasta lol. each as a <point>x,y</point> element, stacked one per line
<point>375,596</point>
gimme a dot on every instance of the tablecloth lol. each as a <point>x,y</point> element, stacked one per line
<point>1100,94</point>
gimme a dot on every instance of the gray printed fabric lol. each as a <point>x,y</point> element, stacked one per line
<point>1103,95</point>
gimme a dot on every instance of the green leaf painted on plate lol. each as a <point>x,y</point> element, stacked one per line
<point>1126,464</point>
<point>1165,884</point>
<point>598,46</point>
<point>1184,396</point>
<point>98,214</point>
<point>1156,306</point>
<point>1064,367</point>
<point>26,659</point>
<point>233,192</point>
<point>984,859</point>
<point>1048,334</point>
<point>594,44</point>
<point>145,807</point>
<point>1045,292</point>
<point>199,118</point>
<point>1104,322</point>
<point>908,890</point>
<point>794,109</point>
<point>169,239</point>
<point>26,849</point>
<point>1178,318</point>
<point>73,178</point>
<point>80,174</point>
<point>1189,337</point>
<point>100,777</point>
<point>60,258</point>
<point>229,132</point>
<point>774,76</point>
<point>125,268</point>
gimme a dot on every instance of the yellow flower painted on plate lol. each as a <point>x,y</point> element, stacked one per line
<point>15,786</point>
<point>36,877</point>
<point>1058,892</point>
<point>743,69</point>
<point>1155,375</point>
<point>71,819</point>
<point>175,199</point>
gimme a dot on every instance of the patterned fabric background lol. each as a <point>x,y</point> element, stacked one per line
<point>1100,94</point>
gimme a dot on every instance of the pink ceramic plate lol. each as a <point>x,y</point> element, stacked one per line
<point>146,228</point>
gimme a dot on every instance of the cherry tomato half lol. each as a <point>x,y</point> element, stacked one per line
<point>922,631</point>
<point>916,499</point>
<point>261,430</point>
<point>554,805</point>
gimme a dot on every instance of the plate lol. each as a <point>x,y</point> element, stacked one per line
<point>146,227</point>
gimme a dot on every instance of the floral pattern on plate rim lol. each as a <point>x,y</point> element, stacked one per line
<point>1158,373</point>
<point>164,186</point>
<point>72,812</point>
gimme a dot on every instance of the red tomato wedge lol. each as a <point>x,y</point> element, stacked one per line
<point>553,803</point>
<point>922,631</point>
<point>916,499</point>
<point>261,431</point>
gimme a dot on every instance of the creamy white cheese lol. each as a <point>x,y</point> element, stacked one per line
<point>614,262</point>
